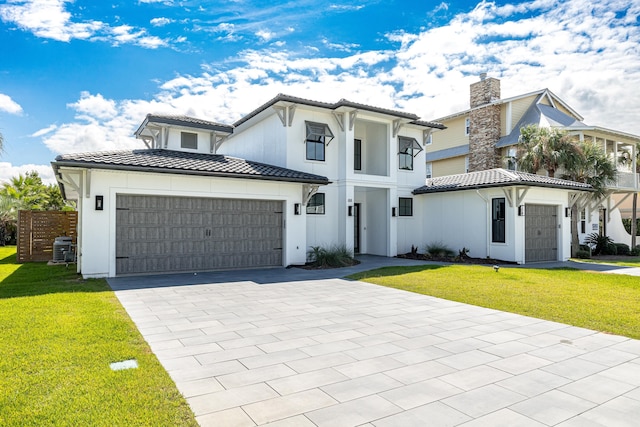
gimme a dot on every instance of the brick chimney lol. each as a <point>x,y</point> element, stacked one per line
<point>484,124</point>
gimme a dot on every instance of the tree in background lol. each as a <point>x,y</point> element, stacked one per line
<point>546,149</point>
<point>581,161</point>
<point>26,192</point>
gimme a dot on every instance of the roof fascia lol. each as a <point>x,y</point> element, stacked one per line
<point>89,165</point>
<point>507,184</point>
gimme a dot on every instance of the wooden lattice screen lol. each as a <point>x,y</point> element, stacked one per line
<point>37,231</point>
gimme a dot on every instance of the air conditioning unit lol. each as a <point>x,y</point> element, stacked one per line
<point>61,246</point>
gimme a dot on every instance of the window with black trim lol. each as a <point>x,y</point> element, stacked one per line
<point>408,148</point>
<point>357,154</point>
<point>189,140</point>
<point>405,206</point>
<point>498,220</point>
<point>315,206</point>
<point>318,135</point>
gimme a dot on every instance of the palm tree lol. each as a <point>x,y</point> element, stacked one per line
<point>595,169</point>
<point>546,149</point>
<point>583,161</point>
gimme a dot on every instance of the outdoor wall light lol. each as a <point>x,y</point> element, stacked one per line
<point>521,210</point>
<point>393,211</point>
<point>567,212</point>
<point>296,208</point>
<point>99,203</point>
<point>350,211</point>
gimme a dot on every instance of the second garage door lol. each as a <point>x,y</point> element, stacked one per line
<point>541,233</point>
<point>170,234</point>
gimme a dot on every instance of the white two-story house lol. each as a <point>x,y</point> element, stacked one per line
<point>290,175</point>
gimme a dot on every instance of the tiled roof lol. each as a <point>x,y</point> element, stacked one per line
<point>495,178</point>
<point>185,121</point>
<point>179,162</point>
<point>333,106</point>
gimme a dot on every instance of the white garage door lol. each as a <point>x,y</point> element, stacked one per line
<point>168,234</point>
<point>541,233</point>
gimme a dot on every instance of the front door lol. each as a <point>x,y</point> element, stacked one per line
<point>356,228</point>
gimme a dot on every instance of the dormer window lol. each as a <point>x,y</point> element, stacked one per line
<point>318,135</point>
<point>189,140</point>
<point>408,148</point>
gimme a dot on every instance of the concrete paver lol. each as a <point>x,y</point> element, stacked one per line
<point>291,347</point>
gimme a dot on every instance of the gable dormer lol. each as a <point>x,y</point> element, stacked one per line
<point>182,133</point>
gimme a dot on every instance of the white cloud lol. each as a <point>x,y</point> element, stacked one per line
<point>265,35</point>
<point>345,7</point>
<point>428,73</point>
<point>94,106</point>
<point>160,22</point>
<point>8,171</point>
<point>49,19</point>
<point>8,105</point>
<point>44,131</point>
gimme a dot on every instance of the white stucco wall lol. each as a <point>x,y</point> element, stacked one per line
<point>264,141</point>
<point>97,238</point>
<point>463,219</point>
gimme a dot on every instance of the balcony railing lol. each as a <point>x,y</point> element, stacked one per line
<point>627,181</point>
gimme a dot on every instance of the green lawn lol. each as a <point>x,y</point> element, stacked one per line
<point>621,261</point>
<point>604,302</point>
<point>58,335</point>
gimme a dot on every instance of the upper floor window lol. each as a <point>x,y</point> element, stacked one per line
<point>429,170</point>
<point>429,140</point>
<point>467,126</point>
<point>408,148</point>
<point>405,206</point>
<point>318,135</point>
<point>189,140</point>
<point>466,164</point>
<point>498,220</point>
<point>315,206</point>
<point>357,154</point>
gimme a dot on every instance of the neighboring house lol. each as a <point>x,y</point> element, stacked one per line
<point>295,173</point>
<point>486,136</point>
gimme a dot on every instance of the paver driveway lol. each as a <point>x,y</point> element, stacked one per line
<point>299,348</point>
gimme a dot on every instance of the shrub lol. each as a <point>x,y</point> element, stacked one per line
<point>635,251</point>
<point>610,249</point>
<point>599,244</point>
<point>438,249</point>
<point>622,249</point>
<point>334,256</point>
<point>582,254</point>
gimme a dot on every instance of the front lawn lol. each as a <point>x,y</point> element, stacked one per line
<point>58,336</point>
<point>603,302</point>
<point>622,261</point>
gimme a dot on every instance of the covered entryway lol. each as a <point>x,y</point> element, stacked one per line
<point>169,234</point>
<point>541,233</point>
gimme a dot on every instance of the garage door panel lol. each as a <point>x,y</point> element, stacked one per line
<point>541,233</point>
<point>159,233</point>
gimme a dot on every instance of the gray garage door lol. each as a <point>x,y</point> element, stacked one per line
<point>166,234</point>
<point>541,233</point>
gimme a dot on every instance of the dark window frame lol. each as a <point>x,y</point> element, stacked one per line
<point>357,154</point>
<point>405,206</point>
<point>498,220</point>
<point>408,148</point>
<point>318,135</point>
<point>191,143</point>
<point>316,204</point>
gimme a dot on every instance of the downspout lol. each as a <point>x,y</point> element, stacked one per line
<point>488,223</point>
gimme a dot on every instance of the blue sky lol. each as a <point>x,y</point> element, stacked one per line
<point>81,75</point>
